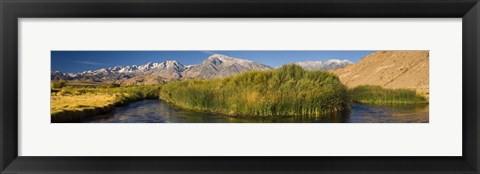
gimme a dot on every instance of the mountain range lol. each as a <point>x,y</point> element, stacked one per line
<point>324,65</point>
<point>215,66</point>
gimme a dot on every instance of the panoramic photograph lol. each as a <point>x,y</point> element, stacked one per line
<point>241,86</point>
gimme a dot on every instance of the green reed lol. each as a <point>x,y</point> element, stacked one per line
<point>378,95</point>
<point>289,90</point>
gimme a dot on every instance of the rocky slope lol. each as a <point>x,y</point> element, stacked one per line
<point>389,69</point>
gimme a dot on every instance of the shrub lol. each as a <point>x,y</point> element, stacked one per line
<point>58,84</point>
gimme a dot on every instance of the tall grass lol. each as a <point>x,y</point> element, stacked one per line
<point>289,90</point>
<point>377,95</point>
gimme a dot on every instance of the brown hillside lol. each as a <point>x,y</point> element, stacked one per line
<point>389,69</point>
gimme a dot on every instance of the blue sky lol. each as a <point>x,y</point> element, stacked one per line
<point>78,61</point>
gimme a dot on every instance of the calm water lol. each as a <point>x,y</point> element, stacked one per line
<point>156,111</point>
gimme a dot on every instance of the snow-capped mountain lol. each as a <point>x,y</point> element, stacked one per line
<point>214,66</point>
<point>324,65</point>
<point>168,69</point>
<point>160,73</point>
<point>219,65</point>
<point>57,75</point>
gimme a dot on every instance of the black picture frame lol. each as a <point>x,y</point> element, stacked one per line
<point>11,11</point>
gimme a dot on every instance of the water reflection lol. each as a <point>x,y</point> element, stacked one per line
<point>156,111</point>
<point>414,113</point>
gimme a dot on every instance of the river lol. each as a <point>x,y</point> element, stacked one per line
<point>157,111</point>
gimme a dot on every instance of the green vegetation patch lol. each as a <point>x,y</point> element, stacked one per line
<point>289,90</point>
<point>377,95</point>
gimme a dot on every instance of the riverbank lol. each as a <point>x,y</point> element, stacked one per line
<point>73,104</point>
<point>77,107</point>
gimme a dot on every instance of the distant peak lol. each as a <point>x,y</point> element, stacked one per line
<point>218,55</point>
<point>325,61</point>
<point>338,60</point>
<point>221,57</point>
<point>225,58</point>
<point>324,65</point>
<point>174,63</point>
<point>171,61</point>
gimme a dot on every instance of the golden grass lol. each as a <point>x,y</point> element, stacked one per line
<point>74,104</point>
<point>80,102</point>
<point>424,93</point>
<point>72,108</point>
